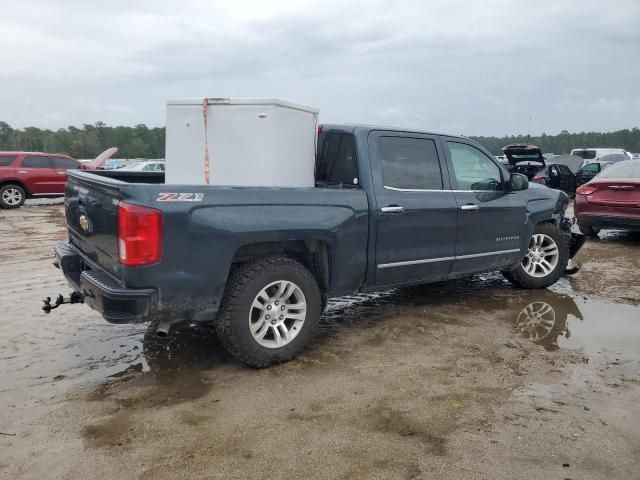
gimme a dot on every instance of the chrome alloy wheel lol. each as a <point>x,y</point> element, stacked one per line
<point>277,314</point>
<point>12,196</point>
<point>541,257</point>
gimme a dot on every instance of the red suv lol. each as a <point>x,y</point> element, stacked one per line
<point>28,174</point>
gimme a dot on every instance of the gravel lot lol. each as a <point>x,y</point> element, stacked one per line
<point>469,379</point>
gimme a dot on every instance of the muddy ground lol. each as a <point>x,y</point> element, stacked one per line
<point>469,379</point>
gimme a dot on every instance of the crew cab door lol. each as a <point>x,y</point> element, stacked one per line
<point>491,221</point>
<point>36,172</point>
<point>416,210</point>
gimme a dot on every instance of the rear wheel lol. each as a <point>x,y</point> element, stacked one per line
<point>270,311</point>
<point>12,196</point>
<point>545,260</point>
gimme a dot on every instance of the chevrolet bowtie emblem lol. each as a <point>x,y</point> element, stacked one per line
<point>84,223</point>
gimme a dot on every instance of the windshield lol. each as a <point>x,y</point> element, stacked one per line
<point>586,154</point>
<point>626,169</point>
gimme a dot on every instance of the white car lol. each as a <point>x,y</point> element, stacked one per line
<point>590,155</point>
<point>145,167</point>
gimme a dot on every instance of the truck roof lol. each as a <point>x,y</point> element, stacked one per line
<point>351,128</point>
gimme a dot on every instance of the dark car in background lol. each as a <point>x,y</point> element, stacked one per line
<point>524,159</point>
<point>562,172</point>
<point>32,174</point>
<point>610,200</point>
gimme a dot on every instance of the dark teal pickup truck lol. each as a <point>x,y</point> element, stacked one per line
<point>390,207</point>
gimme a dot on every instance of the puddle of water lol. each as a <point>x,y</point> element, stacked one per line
<point>45,363</point>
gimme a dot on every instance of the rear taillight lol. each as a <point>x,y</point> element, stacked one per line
<point>586,189</point>
<point>139,235</point>
<point>538,178</point>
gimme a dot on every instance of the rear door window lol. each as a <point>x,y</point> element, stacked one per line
<point>409,163</point>
<point>64,163</point>
<point>6,160</point>
<point>36,161</point>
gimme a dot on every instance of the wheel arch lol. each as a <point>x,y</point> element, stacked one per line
<point>15,181</point>
<point>313,254</point>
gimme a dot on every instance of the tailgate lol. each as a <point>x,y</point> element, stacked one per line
<point>91,208</point>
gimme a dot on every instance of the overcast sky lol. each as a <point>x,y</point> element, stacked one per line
<point>475,68</point>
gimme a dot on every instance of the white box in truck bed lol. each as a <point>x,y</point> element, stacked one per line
<point>251,142</point>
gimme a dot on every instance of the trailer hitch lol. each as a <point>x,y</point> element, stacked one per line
<point>73,297</point>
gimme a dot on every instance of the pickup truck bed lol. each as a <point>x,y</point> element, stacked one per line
<point>391,208</point>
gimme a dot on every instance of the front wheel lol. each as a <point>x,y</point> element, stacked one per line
<point>545,260</point>
<point>270,311</point>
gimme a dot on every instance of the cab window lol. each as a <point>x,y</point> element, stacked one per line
<point>473,170</point>
<point>336,164</point>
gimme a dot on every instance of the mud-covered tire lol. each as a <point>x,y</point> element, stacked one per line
<point>12,196</point>
<point>233,325</point>
<point>520,276</point>
<point>588,230</point>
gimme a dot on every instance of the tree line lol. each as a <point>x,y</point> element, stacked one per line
<point>564,142</point>
<point>86,142</point>
<point>143,142</point>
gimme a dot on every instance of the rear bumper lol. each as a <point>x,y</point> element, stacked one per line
<point>102,292</point>
<point>609,221</point>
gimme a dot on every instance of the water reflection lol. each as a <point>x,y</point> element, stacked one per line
<point>398,318</point>
<point>544,320</point>
<point>539,316</point>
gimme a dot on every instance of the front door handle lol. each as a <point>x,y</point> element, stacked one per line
<point>392,209</point>
<point>470,207</point>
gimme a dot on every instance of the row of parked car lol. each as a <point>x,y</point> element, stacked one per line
<point>34,174</point>
<point>562,172</point>
<point>605,182</point>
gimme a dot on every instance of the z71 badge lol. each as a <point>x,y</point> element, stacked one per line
<point>180,197</point>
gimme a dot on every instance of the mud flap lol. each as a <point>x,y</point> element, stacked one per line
<point>575,242</point>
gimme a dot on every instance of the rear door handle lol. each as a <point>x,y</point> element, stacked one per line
<point>470,208</point>
<point>392,209</point>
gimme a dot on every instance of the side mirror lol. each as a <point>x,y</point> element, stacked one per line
<point>518,182</point>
